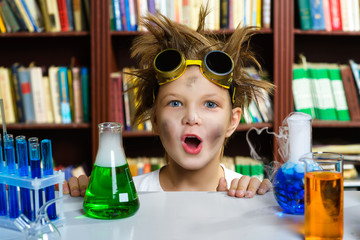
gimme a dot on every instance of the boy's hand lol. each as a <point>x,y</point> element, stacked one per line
<point>245,186</point>
<point>76,186</point>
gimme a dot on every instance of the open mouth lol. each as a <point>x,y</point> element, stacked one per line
<point>191,143</point>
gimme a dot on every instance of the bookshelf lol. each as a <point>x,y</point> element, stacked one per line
<point>106,51</point>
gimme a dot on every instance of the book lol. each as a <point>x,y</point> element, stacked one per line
<point>77,91</point>
<point>117,15</point>
<point>266,14</point>
<point>26,94</point>
<point>351,93</point>
<point>35,13</point>
<point>63,15</point>
<point>9,17</point>
<point>70,15</point>
<point>24,16</point>
<point>117,97</point>
<point>85,86</point>
<point>6,94</point>
<point>133,15</point>
<point>20,114</point>
<point>345,16</point>
<point>71,92</point>
<point>2,24</point>
<point>17,15</point>
<point>37,87</point>
<point>335,15</point>
<point>327,17</point>
<point>355,71</point>
<point>224,14</point>
<point>30,16</point>
<point>47,98</point>
<point>317,15</point>
<point>45,15</point>
<point>53,12</point>
<point>127,102</point>
<point>53,73</point>
<point>342,110</point>
<point>77,12</point>
<point>64,95</point>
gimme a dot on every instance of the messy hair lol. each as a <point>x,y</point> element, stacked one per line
<point>193,44</point>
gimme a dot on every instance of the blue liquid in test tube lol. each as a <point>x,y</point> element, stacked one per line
<point>35,164</point>
<point>46,154</point>
<point>10,161</point>
<point>23,168</point>
<point>3,201</point>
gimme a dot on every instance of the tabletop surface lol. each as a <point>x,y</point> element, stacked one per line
<point>197,215</point>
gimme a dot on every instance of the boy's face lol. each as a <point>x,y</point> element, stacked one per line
<point>193,117</point>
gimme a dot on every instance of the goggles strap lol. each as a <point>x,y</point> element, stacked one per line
<point>232,90</point>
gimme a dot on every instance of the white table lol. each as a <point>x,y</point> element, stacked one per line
<point>197,215</point>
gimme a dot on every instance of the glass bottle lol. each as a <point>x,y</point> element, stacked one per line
<point>111,192</point>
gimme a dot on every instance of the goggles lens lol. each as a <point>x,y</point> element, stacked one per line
<point>217,66</point>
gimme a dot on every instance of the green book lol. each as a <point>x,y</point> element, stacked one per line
<point>302,92</point>
<point>342,110</point>
<point>305,14</point>
<point>323,91</point>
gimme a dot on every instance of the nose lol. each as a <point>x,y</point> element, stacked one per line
<point>191,116</point>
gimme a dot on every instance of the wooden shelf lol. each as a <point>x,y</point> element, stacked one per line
<point>330,33</point>
<point>335,124</point>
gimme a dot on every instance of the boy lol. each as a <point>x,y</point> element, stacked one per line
<point>193,88</point>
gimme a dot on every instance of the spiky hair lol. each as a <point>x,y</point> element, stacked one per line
<point>194,44</point>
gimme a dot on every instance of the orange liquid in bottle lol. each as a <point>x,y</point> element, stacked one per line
<point>323,205</point>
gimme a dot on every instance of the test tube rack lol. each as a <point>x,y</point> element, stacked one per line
<point>35,184</point>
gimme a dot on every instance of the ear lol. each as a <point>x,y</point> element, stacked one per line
<point>235,119</point>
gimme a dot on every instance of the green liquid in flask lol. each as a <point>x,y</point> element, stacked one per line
<point>111,193</point>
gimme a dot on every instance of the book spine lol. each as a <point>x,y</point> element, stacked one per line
<point>305,15</point>
<point>45,15</point>
<point>342,110</point>
<point>77,15</point>
<point>6,95</point>
<point>63,15</point>
<point>85,93</point>
<point>78,105</point>
<point>224,14</point>
<point>117,15</point>
<point>32,20</point>
<point>350,92</point>
<point>18,96</point>
<point>64,96</point>
<point>26,94</point>
<point>24,16</point>
<point>38,94</point>
<point>335,15</point>
<point>17,15</point>
<point>55,93</point>
<point>317,14</point>
<point>70,15</point>
<point>9,16</point>
<point>47,98</point>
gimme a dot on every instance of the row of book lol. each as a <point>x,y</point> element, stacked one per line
<point>123,102</point>
<point>243,165</point>
<point>225,14</point>
<point>44,15</point>
<point>329,15</point>
<point>327,91</point>
<point>32,96</point>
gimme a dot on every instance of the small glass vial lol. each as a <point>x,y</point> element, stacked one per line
<point>111,193</point>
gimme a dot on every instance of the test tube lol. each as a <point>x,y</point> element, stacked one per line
<point>35,166</point>
<point>23,167</point>
<point>11,165</point>
<point>46,154</point>
<point>3,202</point>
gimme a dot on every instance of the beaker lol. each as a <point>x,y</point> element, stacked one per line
<point>324,195</point>
<point>111,192</point>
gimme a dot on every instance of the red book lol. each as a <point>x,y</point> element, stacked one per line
<point>63,15</point>
<point>335,15</point>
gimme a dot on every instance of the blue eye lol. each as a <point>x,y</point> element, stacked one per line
<point>175,103</point>
<point>210,104</point>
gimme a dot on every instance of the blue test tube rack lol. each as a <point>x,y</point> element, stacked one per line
<point>36,185</point>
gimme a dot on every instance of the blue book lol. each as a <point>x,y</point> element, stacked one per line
<point>151,6</point>
<point>26,94</point>
<point>117,15</point>
<point>127,13</point>
<point>65,108</point>
<point>84,75</point>
<point>70,12</point>
<point>17,89</point>
<point>317,14</point>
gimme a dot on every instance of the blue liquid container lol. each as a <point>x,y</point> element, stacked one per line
<point>289,187</point>
<point>3,200</point>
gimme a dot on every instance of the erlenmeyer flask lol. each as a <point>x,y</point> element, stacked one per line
<point>111,193</point>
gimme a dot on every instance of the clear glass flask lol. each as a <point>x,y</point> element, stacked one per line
<point>111,192</point>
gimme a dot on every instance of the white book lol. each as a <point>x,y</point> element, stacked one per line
<point>6,95</point>
<point>53,12</point>
<point>37,87</point>
<point>55,92</point>
<point>35,12</point>
<point>238,13</point>
<point>48,103</point>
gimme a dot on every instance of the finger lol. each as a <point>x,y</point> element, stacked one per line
<point>222,185</point>
<point>233,187</point>
<point>242,186</point>
<point>252,187</point>
<point>74,187</point>
<point>83,184</point>
<point>265,186</point>
<point>66,189</point>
